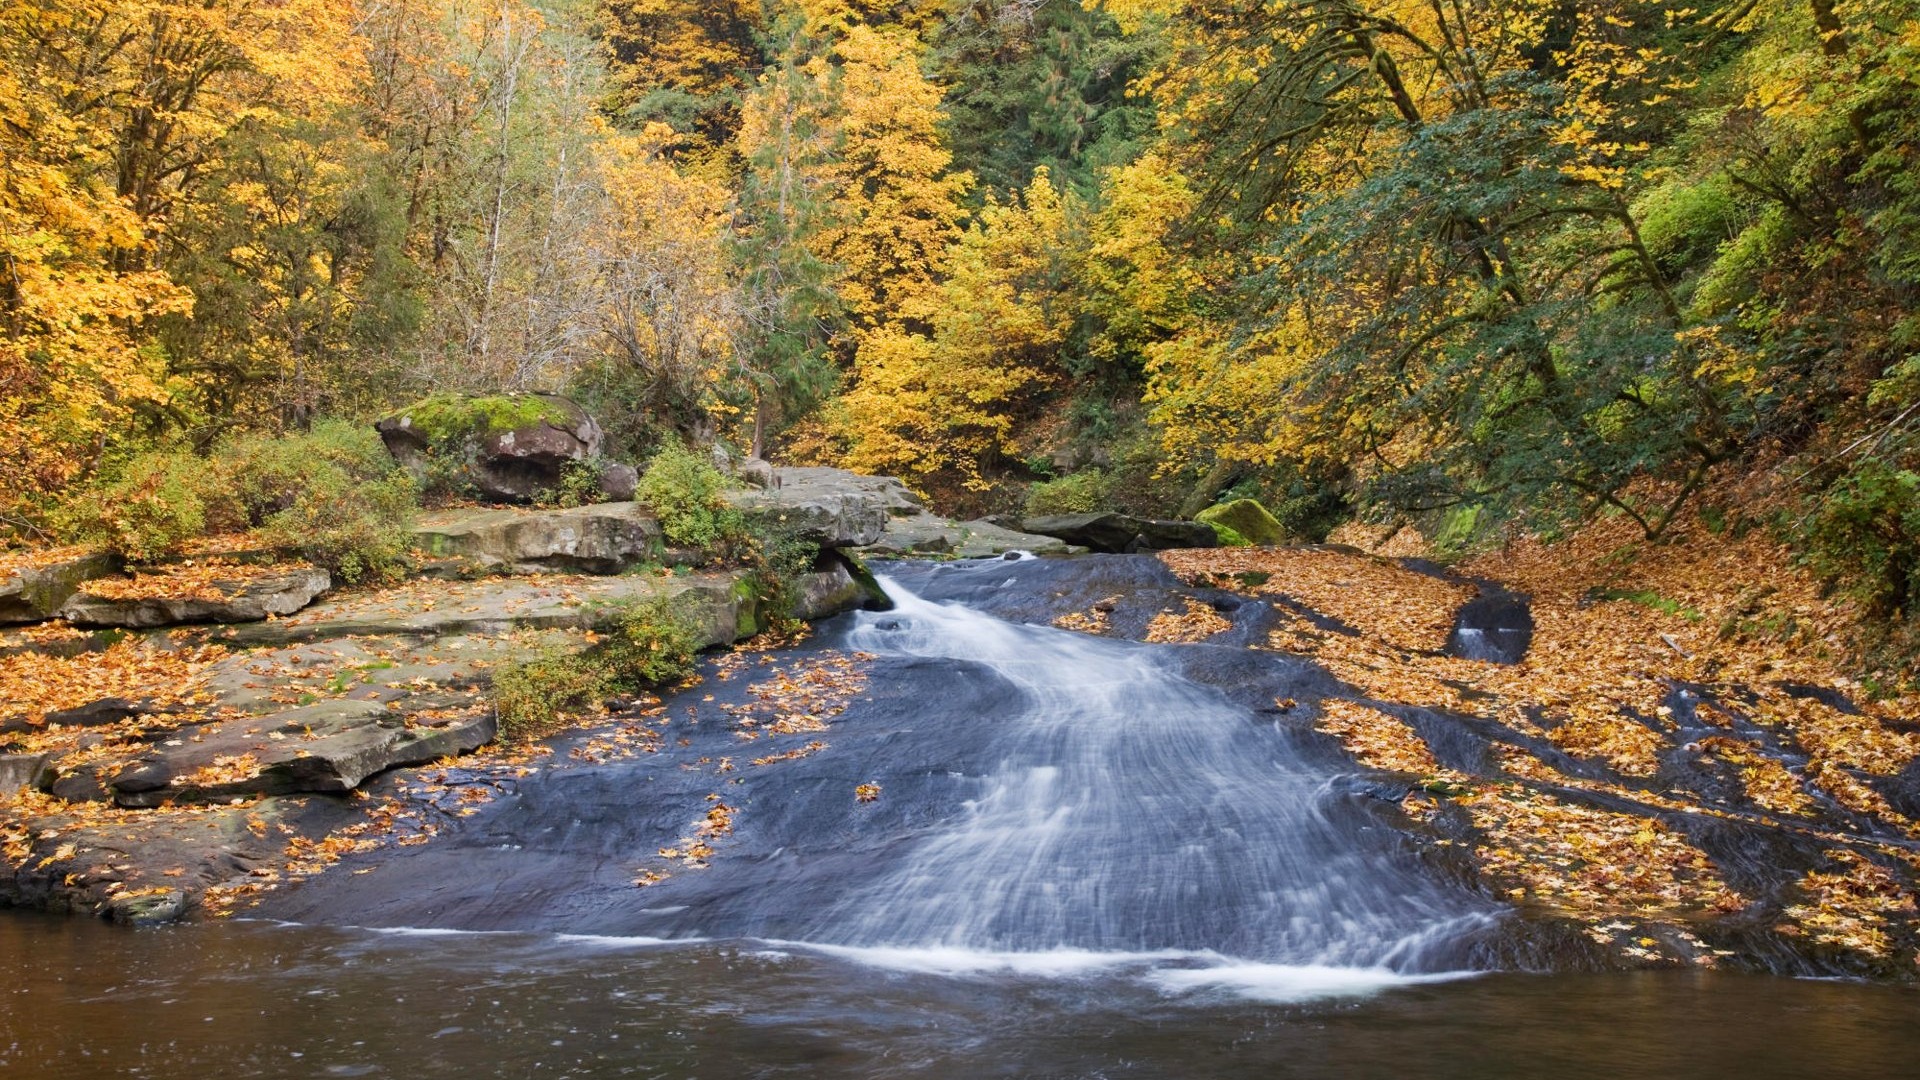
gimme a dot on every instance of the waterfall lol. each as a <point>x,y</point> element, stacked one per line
<point>1131,812</point>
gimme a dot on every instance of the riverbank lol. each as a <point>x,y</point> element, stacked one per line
<point>1613,755</point>
<point>196,733</point>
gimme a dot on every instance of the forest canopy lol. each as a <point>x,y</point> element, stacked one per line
<point>1467,265</point>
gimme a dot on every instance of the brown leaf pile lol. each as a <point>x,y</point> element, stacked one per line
<point>1380,599</point>
<point>1375,739</point>
<point>1592,863</point>
<point>33,684</point>
<point>802,697</point>
<point>1850,905</point>
<point>1767,782</point>
<point>1197,623</point>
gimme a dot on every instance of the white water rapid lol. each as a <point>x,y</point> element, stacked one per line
<point>1136,819</point>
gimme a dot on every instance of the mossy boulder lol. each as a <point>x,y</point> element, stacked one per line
<point>1247,519</point>
<point>505,447</point>
<point>1228,537</point>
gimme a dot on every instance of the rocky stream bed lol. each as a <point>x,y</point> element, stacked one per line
<point>336,763</point>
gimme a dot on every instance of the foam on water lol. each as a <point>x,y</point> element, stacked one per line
<point>1135,820</point>
<point>1173,972</point>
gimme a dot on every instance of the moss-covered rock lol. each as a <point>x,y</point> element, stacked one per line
<point>1228,536</point>
<point>1246,518</point>
<point>505,447</point>
<point>444,420</point>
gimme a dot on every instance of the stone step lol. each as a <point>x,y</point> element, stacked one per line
<point>605,538</point>
<point>248,595</point>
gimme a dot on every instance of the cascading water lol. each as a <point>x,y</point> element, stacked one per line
<point>1054,802</point>
<point>1131,811</point>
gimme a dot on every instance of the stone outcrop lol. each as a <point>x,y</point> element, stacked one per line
<point>722,605</point>
<point>1122,533</point>
<point>509,447</point>
<point>325,748</point>
<point>245,599</point>
<point>828,592</point>
<point>34,594</point>
<point>829,507</point>
<point>619,482</point>
<point>20,770</point>
<point>929,534</point>
<point>602,539</point>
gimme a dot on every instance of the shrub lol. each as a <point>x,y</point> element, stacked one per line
<point>333,496</point>
<point>652,643</point>
<point>148,508</point>
<point>579,485</point>
<point>1864,535</point>
<point>358,530</point>
<point>534,695</point>
<point>686,494</point>
<point>1080,493</point>
<point>263,475</point>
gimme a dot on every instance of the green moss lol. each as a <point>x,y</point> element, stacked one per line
<point>1458,529</point>
<point>1245,518</point>
<point>445,419</point>
<point>1228,537</point>
<point>750,615</point>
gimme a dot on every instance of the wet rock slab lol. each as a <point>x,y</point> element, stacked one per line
<point>142,869</point>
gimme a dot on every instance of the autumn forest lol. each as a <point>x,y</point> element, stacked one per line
<point>1465,267</point>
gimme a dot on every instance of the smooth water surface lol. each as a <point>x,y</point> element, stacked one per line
<point>245,1000</point>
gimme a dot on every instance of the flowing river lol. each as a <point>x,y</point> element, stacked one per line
<point>1085,857</point>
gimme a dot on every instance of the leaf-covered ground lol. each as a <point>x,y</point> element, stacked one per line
<point>1628,772</point>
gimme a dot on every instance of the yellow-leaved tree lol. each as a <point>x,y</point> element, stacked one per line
<point>940,406</point>
<point>664,308</point>
<point>897,198</point>
<point>112,116</point>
